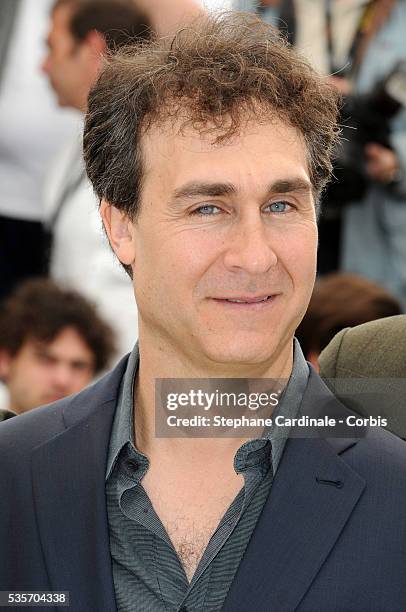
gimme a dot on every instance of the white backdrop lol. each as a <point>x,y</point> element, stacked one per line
<point>217,4</point>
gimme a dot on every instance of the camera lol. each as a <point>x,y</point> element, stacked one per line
<point>364,119</point>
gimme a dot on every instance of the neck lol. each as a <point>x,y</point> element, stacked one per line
<point>160,362</point>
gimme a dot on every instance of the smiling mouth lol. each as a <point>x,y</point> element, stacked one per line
<point>246,300</point>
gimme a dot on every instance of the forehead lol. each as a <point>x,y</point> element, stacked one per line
<point>259,151</point>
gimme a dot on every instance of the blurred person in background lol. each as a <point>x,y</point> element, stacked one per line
<point>365,367</point>
<point>166,16</point>
<point>322,30</point>
<point>81,32</point>
<point>52,343</point>
<point>339,301</point>
<point>31,130</point>
<point>360,42</point>
<point>374,222</point>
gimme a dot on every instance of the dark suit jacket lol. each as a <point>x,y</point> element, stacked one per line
<point>331,537</point>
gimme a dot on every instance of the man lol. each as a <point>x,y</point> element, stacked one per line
<point>52,343</point>
<point>208,153</point>
<point>361,43</point>
<point>167,16</point>
<point>374,355</point>
<point>81,33</point>
<point>339,301</point>
<point>32,128</point>
<point>379,216</point>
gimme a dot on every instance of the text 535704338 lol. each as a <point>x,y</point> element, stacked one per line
<point>13,599</point>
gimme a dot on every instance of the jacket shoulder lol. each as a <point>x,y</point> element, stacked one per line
<point>380,458</point>
<point>32,428</point>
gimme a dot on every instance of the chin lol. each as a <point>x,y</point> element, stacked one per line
<point>62,103</point>
<point>242,349</point>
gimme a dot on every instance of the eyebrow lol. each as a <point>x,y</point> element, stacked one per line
<point>198,189</point>
<point>291,185</point>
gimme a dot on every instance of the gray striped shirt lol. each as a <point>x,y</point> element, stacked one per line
<point>148,574</point>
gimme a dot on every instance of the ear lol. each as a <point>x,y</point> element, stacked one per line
<point>5,364</point>
<point>96,43</point>
<point>120,231</point>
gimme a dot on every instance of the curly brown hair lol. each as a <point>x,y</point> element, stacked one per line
<point>217,73</point>
<point>39,309</point>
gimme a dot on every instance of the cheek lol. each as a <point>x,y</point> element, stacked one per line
<point>176,264</point>
<point>27,369</point>
<point>41,374</point>
<point>300,250</point>
<point>29,382</point>
<point>80,380</point>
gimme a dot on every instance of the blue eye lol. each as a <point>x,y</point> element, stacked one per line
<point>279,207</point>
<point>207,210</point>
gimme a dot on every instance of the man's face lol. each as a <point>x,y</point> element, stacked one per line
<point>41,372</point>
<point>66,62</point>
<point>225,244</point>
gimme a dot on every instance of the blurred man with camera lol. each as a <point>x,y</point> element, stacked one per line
<point>360,44</point>
<point>374,224</point>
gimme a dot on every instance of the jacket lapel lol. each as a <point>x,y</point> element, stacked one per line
<point>69,494</point>
<point>312,498</point>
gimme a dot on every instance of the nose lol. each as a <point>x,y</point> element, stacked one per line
<point>62,377</point>
<point>250,247</point>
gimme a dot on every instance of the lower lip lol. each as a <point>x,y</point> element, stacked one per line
<point>248,306</point>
